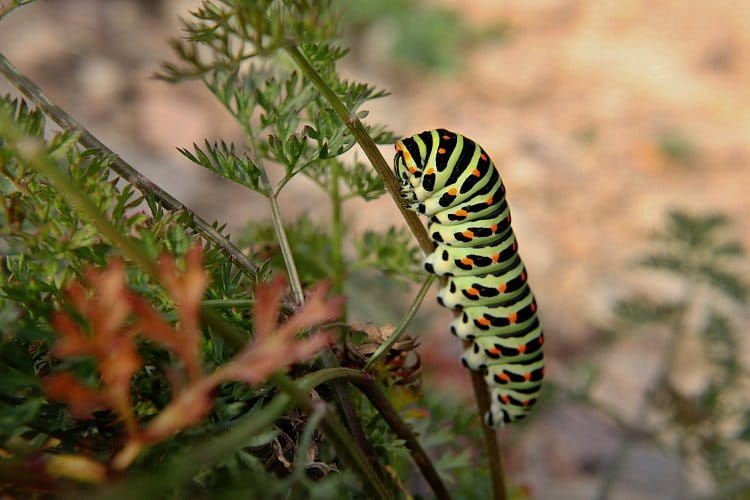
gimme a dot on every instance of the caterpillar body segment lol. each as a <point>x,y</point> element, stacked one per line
<point>452,180</point>
<point>501,320</point>
<point>526,345</point>
<point>452,261</point>
<point>472,209</point>
<point>472,233</point>
<point>484,289</point>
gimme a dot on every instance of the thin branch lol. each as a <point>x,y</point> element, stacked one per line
<point>403,324</point>
<point>286,250</point>
<point>367,385</point>
<point>31,150</point>
<point>402,430</point>
<point>366,143</point>
<point>482,395</point>
<point>337,233</point>
<point>120,167</point>
<point>342,397</point>
<point>364,140</point>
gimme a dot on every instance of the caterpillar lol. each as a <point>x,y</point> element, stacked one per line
<point>451,180</point>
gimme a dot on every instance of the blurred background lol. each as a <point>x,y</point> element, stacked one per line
<point>604,118</point>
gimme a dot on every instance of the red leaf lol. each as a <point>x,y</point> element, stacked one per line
<point>66,388</point>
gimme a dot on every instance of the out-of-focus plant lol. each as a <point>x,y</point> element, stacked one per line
<point>709,424</point>
<point>421,36</point>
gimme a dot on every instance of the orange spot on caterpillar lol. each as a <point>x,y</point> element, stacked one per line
<point>467,261</point>
<point>397,147</point>
<point>483,321</point>
<point>505,399</point>
<point>541,339</point>
<point>508,219</point>
<point>523,276</point>
<point>533,307</point>
<point>502,287</point>
<point>461,213</point>
<point>430,171</point>
<point>476,172</point>
<point>446,137</point>
<point>494,351</point>
<point>526,402</point>
<point>412,169</point>
<point>494,228</point>
<point>490,200</point>
<point>468,234</point>
<point>472,291</point>
<point>496,257</point>
<point>513,318</point>
<point>453,191</point>
<point>441,151</point>
<point>527,376</point>
<point>522,348</point>
<point>515,246</point>
<point>504,376</point>
<point>483,156</point>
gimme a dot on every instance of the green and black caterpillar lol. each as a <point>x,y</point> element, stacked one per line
<point>452,180</point>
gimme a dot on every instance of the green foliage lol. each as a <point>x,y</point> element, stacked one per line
<point>423,36</point>
<point>694,249</point>
<point>695,252</point>
<point>675,146</point>
<point>48,243</point>
<point>222,159</point>
<point>392,252</point>
<point>310,243</point>
<point>249,441</point>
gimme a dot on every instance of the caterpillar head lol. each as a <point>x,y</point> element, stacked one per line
<point>404,166</point>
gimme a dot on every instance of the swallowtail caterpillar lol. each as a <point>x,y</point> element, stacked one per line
<point>451,180</point>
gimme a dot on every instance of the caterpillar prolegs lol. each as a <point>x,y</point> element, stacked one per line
<point>452,180</point>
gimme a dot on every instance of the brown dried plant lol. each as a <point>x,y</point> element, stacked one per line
<point>115,316</point>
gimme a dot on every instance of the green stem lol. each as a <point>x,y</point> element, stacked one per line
<point>338,436</point>
<point>227,303</point>
<point>403,324</point>
<point>364,140</point>
<point>366,143</point>
<point>314,379</point>
<point>120,167</point>
<point>286,251</point>
<point>337,236</point>
<point>272,195</point>
<point>495,459</point>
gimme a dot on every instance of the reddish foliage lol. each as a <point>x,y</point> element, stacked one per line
<point>115,315</point>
